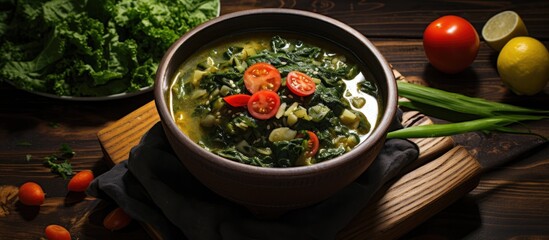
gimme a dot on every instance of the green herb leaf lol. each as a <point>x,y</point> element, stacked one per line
<point>67,151</point>
<point>60,163</point>
<point>63,168</point>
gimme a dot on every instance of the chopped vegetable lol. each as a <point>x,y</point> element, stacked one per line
<point>348,118</point>
<point>282,134</point>
<point>264,104</point>
<point>237,100</point>
<point>312,144</point>
<point>262,76</point>
<point>318,112</point>
<point>300,83</point>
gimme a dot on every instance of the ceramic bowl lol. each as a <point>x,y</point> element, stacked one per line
<point>271,191</point>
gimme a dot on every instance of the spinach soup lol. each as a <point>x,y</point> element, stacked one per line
<point>274,100</point>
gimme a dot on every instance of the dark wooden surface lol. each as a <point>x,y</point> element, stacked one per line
<point>511,200</point>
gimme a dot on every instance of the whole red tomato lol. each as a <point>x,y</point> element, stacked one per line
<point>80,181</point>
<point>57,232</point>
<point>451,43</point>
<point>31,194</point>
<point>116,219</point>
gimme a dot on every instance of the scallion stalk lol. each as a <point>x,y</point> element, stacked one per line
<point>492,116</point>
<point>460,103</point>
<point>447,129</point>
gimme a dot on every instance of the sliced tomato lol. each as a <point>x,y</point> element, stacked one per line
<point>312,145</point>
<point>237,100</point>
<point>264,104</point>
<point>300,83</point>
<point>262,76</point>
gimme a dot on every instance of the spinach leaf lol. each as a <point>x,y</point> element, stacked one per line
<point>235,155</point>
<point>331,97</point>
<point>368,87</point>
<point>216,80</point>
<point>329,153</point>
<point>286,152</point>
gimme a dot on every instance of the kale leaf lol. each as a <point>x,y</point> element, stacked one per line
<point>91,48</point>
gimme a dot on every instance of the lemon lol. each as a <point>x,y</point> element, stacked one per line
<point>523,65</point>
<point>501,28</point>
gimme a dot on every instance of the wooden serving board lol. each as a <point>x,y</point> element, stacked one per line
<point>442,174</point>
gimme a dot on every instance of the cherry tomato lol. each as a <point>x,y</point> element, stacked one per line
<point>56,232</point>
<point>262,76</point>
<point>116,220</point>
<point>237,100</point>
<point>31,194</point>
<point>312,145</point>
<point>300,83</point>
<point>264,104</point>
<point>451,44</point>
<point>80,181</point>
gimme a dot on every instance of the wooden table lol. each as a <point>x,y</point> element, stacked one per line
<point>511,200</point>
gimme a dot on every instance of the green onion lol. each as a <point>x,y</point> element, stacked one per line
<point>491,116</point>
<point>459,103</point>
<point>439,130</point>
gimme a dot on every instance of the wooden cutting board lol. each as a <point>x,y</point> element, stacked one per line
<point>442,174</point>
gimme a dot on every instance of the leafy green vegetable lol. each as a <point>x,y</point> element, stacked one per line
<point>61,167</point>
<point>60,163</point>
<point>325,154</point>
<point>233,154</point>
<point>91,48</point>
<point>287,152</point>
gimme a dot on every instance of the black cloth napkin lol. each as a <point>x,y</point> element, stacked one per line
<point>154,187</point>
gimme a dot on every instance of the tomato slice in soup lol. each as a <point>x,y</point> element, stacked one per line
<point>300,83</point>
<point>312,145</point>
<point>264,104</point>
<point>262,76</point>
<point>237,100</point>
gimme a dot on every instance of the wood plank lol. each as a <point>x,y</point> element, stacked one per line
<point>120,137</point>
<point>429,148</point>
<point>416,196</point>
